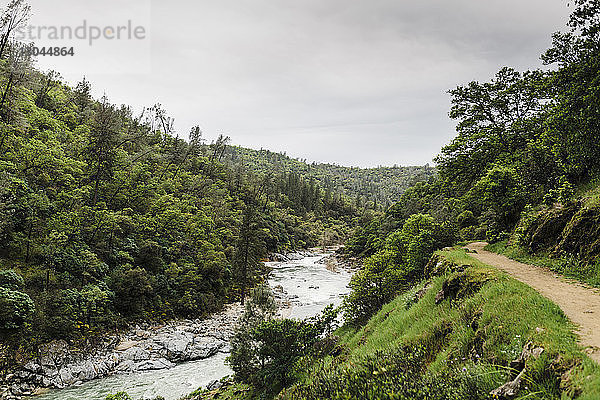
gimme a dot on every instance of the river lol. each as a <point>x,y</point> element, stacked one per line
<point>309,282</point>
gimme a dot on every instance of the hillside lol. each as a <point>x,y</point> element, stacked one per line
<point>109,222</point>
<point>420,323</point>
<point>480,334</point>
<point>419,346</point>
<point>380,186</point>
<point>561,236</point>
<point>107,217</point>
<point>578,302</point>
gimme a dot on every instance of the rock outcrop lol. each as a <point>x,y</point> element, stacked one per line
<point>511,388</point>
<point>140,349</point>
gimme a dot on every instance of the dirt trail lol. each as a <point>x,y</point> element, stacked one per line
<point>579,302</point>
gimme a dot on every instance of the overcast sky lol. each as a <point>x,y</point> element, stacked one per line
<point>355,82</point>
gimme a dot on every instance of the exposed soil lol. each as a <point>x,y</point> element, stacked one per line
<point>579,302</point>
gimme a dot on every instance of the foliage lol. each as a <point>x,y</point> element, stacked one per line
<point>16,309</point>
<point>367,238</point>
<point>574,119</point>
<point>243,358</point>
<point>496,121</point>
<point>250,248</point>
<point>394,268</point>
<point>454,349</point>
<point>111,216</point>
<point>523,139</point>
<point>499,193</point>
<point>125,396</point>
<point>526,144</point>
<point>265,350</point>
<point>372,187</point>
<point>118,396</point>
<point>9,279</point>
<point>393,374</point>
<point>280,344</point>
<point>379,280</point>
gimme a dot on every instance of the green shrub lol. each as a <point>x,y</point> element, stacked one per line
<point>468,233</point>
<point>500,194</point>
<point>64,312</point>
<point>528,218</point>
<point>280,343</point>
<point>132,288</point>
<point>9,279</point>
<point>393,374</point>
<point>243,358</point>
<point>97,304</point>
<point>466,219</point>
<point>379,280</point>
<point>566,190</point>
<point>16,309</point>
<point>395,267</point>
<point>118,396</point>
<point>265,351</point>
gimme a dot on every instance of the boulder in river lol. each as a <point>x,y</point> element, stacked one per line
<point>140,349</point>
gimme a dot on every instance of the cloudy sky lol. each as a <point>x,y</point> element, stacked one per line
<point>355,82</point>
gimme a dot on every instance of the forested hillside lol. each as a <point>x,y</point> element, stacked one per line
<point>522,172</point>
<point>377,187</point>
<point>108,216</point>
<point>527,146</point>
<point>425,323</point>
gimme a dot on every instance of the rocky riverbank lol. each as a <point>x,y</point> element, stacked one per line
<point>294,256</point>
<point>145,347</point>
<point>334,262</point>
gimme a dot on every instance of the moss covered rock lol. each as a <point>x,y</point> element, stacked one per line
<point>581,236</point>
<point>544,231</point>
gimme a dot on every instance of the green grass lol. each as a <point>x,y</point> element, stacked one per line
<point>231,391</point>
<point>589,193</point>
<point>570,267</point>
<point>484,332</point>
<point>474,336</point>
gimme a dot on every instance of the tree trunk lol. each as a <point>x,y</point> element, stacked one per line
<point>245,268</point>
<point>8,87</point>
<point>3,44</point>
<point>28,241</point>
<point>97,184</point>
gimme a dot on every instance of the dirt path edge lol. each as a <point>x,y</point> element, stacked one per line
<point>580,303</point>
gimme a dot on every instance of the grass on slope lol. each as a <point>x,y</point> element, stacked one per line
<point>462,346</point>
<point>477,335</point>
<point>230,391</point>
<point>589,193</point>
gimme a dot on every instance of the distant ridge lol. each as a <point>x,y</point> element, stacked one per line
<point>379,185</point>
